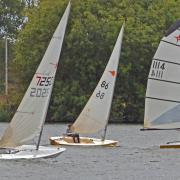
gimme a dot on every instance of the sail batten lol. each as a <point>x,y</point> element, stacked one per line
<point>162,103</point>
<point>168,42</point>
<point>95,114</point>
<point>31,113</point>
<point>154,98</point>
<point>166,81</point>
<point>163,60</point>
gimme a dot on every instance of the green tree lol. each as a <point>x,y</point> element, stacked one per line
<point>11,19</point>
<point>91,33</point>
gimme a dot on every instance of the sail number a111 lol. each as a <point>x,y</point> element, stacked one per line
<point>158,68</point>
<point>101,94</point>
<point>42,89</point>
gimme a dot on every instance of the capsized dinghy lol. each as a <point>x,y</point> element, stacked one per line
<point>94,117</point>
<point>162,104</point>
<point>30,116</point>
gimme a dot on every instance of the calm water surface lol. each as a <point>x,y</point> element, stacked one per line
<point>138,158</point>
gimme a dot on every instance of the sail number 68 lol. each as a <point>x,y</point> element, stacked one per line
<point>100,95</point>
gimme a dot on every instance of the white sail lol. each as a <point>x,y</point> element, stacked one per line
<point>162,104</point>
<point>31,113</point>
<point>95,114</point>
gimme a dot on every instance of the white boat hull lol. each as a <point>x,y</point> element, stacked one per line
<point>84,141</point>
<point>30,152</point>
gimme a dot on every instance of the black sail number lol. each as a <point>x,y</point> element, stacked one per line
<point>42,86</point>
<point>39,92</point>
<point>104,84</point>
<point>158,69</point>
<point>100,95</point>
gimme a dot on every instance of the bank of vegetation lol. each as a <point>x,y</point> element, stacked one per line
<point>91,33</point>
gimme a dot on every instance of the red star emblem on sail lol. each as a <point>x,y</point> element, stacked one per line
<point>113,73</point>
<point>177,38</point>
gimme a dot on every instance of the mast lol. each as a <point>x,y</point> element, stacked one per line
<point>44,118</point>
<point>105,129</point>
<point>39,139</point>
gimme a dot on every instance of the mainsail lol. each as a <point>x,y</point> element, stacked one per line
<point>162,104</point>
<point>95,114</point>
<point>31,113</point>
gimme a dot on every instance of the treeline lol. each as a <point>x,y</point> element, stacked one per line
<point>91,33</point>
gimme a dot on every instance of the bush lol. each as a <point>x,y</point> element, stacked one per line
<point>4,116</point>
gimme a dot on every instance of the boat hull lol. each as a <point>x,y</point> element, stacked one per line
<point>84,141</point>
<point>172,145</point>
<point>30,152</point>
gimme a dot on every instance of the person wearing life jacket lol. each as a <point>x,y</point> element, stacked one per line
<point>70,133</point>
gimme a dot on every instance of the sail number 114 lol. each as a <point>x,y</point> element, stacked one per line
<point>158,68</point>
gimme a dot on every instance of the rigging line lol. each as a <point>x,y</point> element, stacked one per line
<point>171,43</point>
<point>166,61</point>
<point>173,82</point>
<point>169,100</point>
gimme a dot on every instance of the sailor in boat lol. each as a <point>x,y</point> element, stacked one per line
<point>70,133</point>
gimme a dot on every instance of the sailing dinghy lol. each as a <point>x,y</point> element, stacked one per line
<point>94,117</point>
<point>29,118</point>
<point>162,104</point>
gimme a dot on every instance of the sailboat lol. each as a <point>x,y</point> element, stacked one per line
<point>94,117</point>
<point>29,118</point>
<point>162,103</point>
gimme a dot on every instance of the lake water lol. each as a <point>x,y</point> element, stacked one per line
<point>138,158</point>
